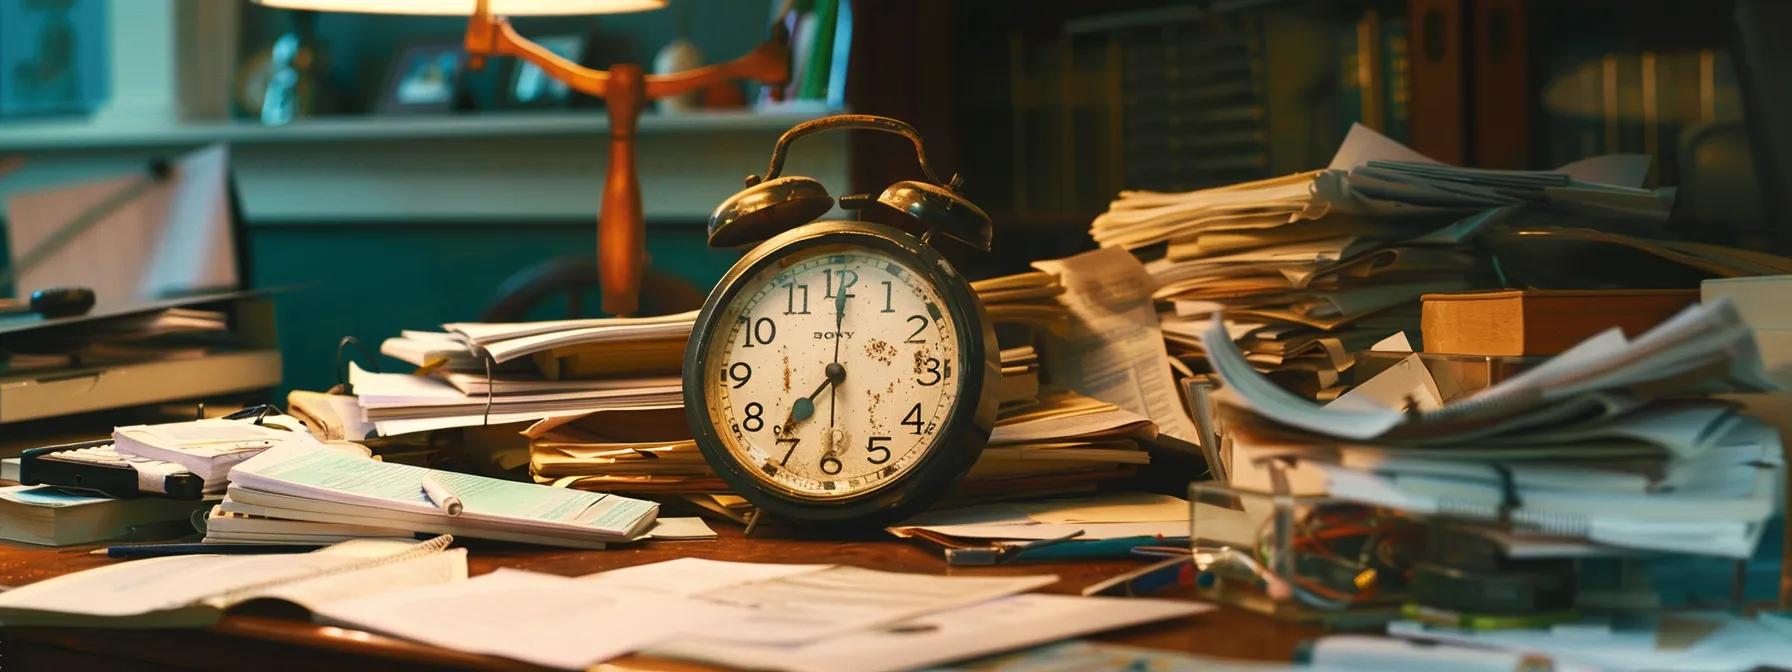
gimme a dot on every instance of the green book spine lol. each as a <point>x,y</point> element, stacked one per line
<point>814,84</point>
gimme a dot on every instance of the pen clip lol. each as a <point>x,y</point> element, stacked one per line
<point>997,553</point>
<point>1042,543</point>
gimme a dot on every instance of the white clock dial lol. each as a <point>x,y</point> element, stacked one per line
<point>832,372</point>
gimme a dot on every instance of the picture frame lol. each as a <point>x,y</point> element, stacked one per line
<point>424,79</point>
<point>53,57</point>
<point>528,87</point>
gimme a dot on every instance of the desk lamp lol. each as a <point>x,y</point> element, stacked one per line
<point>626,90</point>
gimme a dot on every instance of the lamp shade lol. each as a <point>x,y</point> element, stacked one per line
<point>465,7</point>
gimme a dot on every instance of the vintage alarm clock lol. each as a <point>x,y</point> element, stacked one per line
<point>842,372</point>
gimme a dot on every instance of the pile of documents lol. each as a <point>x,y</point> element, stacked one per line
<point>148,479</point>
<point>1063,443</point>
<point>167,334</point>
<point>1022,306</point>
<point>1312,267</point>
<point>490,374</point>
<point>208,448</point>
<point>240,528</point>
<point>1025,300</point>
<point>1611,442</point>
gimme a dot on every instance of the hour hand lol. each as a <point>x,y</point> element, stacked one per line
<point>804,408</point>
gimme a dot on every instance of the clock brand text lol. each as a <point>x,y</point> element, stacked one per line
<point>831,335</point>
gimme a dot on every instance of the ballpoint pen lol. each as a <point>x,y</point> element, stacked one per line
<point>441,496</point>
<point>138,551</point>
<point>994,554</point>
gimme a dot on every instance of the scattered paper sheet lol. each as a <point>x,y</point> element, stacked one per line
<point>543,619</point>
<point>967,632</point>
<point>1623,170</point>
<point>794,604</point>
<point>695,576</point>
<point>675,529</point>
<point>1029,531</point>
<point>1082,656</point>
<point>1362,145</point>
<point>1131,507</point>
<point>806,607</point>
<point>487,332</point>
<point>1406,384</point>
<point>1114,351</point>
<point>1395,343</point>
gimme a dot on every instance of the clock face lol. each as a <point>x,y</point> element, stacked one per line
<point>831,372</point>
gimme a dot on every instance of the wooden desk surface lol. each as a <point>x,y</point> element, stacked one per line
<point>262,644</point>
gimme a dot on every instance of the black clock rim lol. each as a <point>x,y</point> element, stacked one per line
<point>966,429</point>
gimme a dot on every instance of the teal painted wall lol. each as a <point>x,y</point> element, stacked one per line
<point>370,281</point>
<point>361,47</point>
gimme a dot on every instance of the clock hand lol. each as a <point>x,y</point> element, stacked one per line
<point>839,320</point>
<point>805,407</point>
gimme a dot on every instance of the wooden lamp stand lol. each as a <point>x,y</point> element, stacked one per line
<point>626,90</point>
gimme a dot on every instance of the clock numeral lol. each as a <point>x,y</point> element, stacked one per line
<point>779,432</point>
<point>847,279</point>
<point>790,301</point>
<point>739,372</point>
<point>932,365</point>
<point>931,426</point>
<point>829,460</point>
<point>754,420</point>
<point>912,337</point>
<point>763,330</point>
<point>913,419</point>
<point>888,289</point>
<point>872,447</point>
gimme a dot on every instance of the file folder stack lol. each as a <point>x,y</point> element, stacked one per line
<point>1064,443</point>
<point>1612,442</point>
<point>1021,306</point>
<point>1313,267</point>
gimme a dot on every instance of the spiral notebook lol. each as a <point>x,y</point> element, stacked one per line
<point>196,590</point>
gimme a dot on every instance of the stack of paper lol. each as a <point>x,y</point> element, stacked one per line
<point>1020,378</point>
<point>168,334</point>
<point>1608,442</point>
<point>210,447</point>
<point>239,528</point>
<point>1022,306</point>
<point>560,349</point>
<point>487,374</point>
<point>1024,299</point>
<point>1068,438</point>
<point>1314,267</point>
<point>1064,443</point>
<point>332,486</point>
<point>402,404</point>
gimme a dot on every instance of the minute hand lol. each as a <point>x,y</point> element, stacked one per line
<point>839,321</point>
